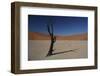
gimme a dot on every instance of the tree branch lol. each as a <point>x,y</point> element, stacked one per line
<point>48,29</point>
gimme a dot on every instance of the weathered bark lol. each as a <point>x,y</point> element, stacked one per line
<point>53,39</point>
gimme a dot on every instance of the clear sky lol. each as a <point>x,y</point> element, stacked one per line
<point>63,25</point>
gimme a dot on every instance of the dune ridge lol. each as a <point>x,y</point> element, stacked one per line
<point>41,36</point>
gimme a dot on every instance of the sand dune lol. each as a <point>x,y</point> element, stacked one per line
<point>41,36</point>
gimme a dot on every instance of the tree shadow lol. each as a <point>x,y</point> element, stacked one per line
<point>63,52</point>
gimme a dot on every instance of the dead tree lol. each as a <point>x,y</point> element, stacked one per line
<point>52,37</point>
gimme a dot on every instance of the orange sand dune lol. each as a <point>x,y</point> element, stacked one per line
<point>41,36</point>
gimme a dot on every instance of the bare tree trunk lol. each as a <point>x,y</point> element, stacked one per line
<point>53,39</point>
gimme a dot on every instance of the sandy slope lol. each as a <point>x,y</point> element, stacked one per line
<point>41,36</point>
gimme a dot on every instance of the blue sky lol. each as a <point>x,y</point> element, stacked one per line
<point>63,25</point>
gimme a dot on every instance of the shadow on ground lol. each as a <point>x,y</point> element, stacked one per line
<point>63,52</point>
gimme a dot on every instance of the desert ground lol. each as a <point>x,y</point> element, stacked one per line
<point>63,49</point>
